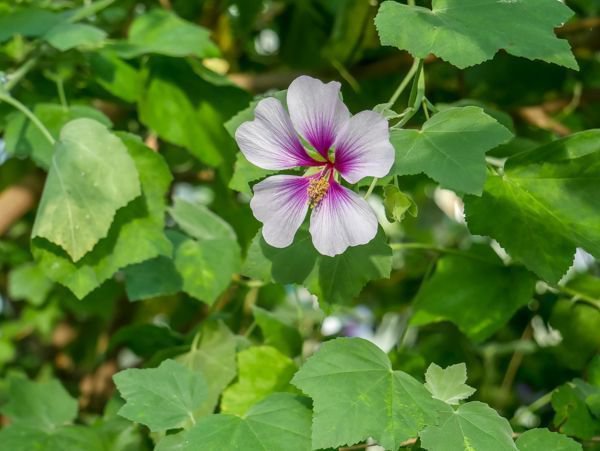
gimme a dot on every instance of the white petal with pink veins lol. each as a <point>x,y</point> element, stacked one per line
<point>341,220</point>
<point>270,141</point>
<point>363,148</point>
<point>317,111</point>
<point>280,202</point>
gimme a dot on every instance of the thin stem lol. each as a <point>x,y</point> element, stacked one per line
<point>578,295</point>
<point>250,329</point>
<point>371,187</point>
<point>17,75</point>
<point>434,248</point>
<point>404,83</point>
<point>346,75</point>
<point>411,2</point>
<point>515,361</point>
<point>60,87</point>
<point>90,10</point>
<point>27,112</point>
<point>540,402</point>
<point>425,109</point>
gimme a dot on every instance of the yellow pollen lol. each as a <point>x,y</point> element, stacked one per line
<point>317,189</point>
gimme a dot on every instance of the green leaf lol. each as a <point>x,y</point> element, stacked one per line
<point>155,277</point>
<point>214,358</point>
<point>72,438</point>
<point>476,292</point>
<point>66,36</point>
<point>280,422</point>
<point>245,173</point>
<point>357,395</point>
<point>543,207</point>
<point>39,405</point>
<point>163,32</point>
<point>176,99</point>
<point>538,439</point>
<point>332,279</point>
<point>472,31</point>
<point>578,324</point>
<point>572,415</point>
<point>397,204</point>
<point>207,263</point>
<point>450,148</point>
<point>116,76</point>
<point>136,234</point>
<point>23,139</point>
<point>448,384</point>
<point>262,370</point>
<point>277,333</point>
<point>161,398</point>
<point>91,177</point>
<point>472,426</point>
<point>144,339</point>
<point>29,282</point>
<point>28,22</point>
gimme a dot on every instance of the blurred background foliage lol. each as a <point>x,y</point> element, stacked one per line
<point>143,77</point>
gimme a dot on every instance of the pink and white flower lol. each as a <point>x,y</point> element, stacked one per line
<point>352,147</point>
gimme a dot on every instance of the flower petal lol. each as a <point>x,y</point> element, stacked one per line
<point>363,148</point>
<point>341,220</point>
<point>280,202</point>
<point>270,141</point>
<point>317,111</point>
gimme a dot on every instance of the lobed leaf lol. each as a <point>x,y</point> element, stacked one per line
<point>469,32</point>
<point>91,177</point>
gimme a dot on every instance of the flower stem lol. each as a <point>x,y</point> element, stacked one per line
<point>404,83</point>
<point>425,110</point>
<point>60,87</point>
<point>17,75</point>
<point>5,97</point>
<point>371,187</point>
<point>434,248</point>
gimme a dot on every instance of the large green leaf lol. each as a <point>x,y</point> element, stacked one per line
<point>136,234</point>
<point>163,32</point>
<point>29,282</point>
<point>176,101</point>
<point>476,292</point>
<point>66,36</point>
<point>280,422</point>
<point>29,22</point>
<point>24,139</point>
<point>207,262</point>
<point>278,333</point>
<point>72,438</point>
<point>39,405</point>
<point>544,205</point>
<point>578,324</point>
<point>357,395</point>
<point>539,439</point>
<point>450,148</point>
<point>161,398</point>
<point>448,384</point>
<point>468,32</point>
<point>262,370</point>
<point>90,178</point>
<point>214,357</point>
<point>472,426</point>
<point>573,415</point>
<point>332,279</point>
<point>116,76</point>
